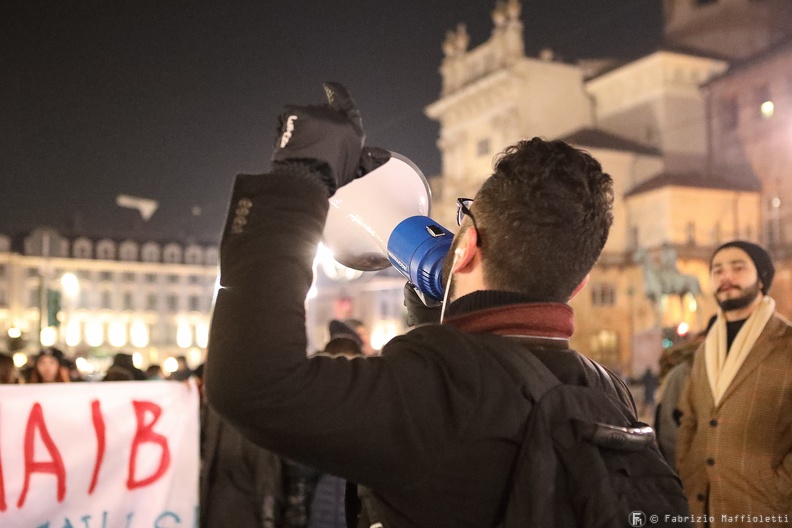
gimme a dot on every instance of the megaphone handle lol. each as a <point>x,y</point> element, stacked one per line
<point>420,309</point>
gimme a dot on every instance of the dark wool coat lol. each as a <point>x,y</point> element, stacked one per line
<point>431,428</point>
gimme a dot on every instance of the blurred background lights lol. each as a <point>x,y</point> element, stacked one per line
<point>768,109</point>
<point>20,359</point>
<point>139,334</point>
<point>49,335</point>
<point>170,365</point>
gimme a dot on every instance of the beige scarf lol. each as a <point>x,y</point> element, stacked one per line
<point>722,367</point>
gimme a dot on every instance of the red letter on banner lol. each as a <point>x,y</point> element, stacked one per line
<point>145,433</point>
<point>54,466</point>
<point>99,428</point>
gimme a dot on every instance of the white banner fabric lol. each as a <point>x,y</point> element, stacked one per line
<point>99,455</point>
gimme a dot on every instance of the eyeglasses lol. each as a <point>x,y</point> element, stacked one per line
<point>463,208</point>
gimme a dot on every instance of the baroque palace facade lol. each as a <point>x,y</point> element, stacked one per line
<point>697,137</point>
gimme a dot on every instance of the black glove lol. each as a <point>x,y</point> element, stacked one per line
<point>420,311</point>
<point>328,139</point>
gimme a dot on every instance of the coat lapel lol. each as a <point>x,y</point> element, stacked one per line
<point>761,349</point>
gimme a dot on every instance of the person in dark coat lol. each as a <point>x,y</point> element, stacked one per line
<point>241,484</point>
<point>123,360</point>
<point>432,427</point>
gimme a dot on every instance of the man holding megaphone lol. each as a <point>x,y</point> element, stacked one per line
<point>430,429</point>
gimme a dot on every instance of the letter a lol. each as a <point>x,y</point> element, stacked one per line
<point>145,433</point>
<point>54,466</point>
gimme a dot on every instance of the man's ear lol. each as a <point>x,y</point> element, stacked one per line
<point>465,250</point>
<point>580,286</point>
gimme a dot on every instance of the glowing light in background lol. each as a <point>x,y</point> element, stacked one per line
<point>139,334</point>
<point>383,332</point>
<point>768,109</point>
<point>14,332</point>
<point>70,284</point>
<point>20,359</point>
<point>85,366</point>
<point>195,355</point>
<point>48,337</point>
<point>73,333</point>
<point>117,334</point>
<point>94,333</point>
<point>183,335</point>
<point>170,365</point>
<point>202,335</point>
<point>137,360</point>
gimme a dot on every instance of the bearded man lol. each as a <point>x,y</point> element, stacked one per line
<point>734,449</point>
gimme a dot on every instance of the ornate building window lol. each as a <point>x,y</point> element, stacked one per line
<point>173,303</point>
<point>603,294</point>
<point>106,250</point>
<point>128,251</point>
<point>82,248</point>
<point>172,254</point>
<point>107,300</point>
<point>129,301</point>
<point>150,252</point>
<point>195,303</point>
<point>151,301</point>
<point>605,348</point>
<point>194,255</point>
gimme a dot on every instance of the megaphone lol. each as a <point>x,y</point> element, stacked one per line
<point>383,219</point>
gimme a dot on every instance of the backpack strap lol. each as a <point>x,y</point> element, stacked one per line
<point>537,377</point>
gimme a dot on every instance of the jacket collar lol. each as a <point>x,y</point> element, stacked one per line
<point>512,314</point>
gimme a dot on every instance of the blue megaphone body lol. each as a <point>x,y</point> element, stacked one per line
<point>417,248</point>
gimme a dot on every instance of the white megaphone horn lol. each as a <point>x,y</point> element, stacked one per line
<point>383,219</point>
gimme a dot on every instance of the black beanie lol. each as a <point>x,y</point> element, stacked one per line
<point>760,257</point>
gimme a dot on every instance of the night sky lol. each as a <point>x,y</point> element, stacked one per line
<point>170,99</point>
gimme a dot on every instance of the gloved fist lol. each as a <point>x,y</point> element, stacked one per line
<point>419,309</point>
<point>328,138</point>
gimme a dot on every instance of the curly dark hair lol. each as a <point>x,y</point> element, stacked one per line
<point>543,219</point>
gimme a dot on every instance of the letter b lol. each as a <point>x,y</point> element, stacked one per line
<point>145,434</point>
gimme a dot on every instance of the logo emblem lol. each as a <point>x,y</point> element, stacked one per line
<point>637,518</point>
<point>287,134</point>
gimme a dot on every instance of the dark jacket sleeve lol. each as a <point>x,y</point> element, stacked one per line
<point>377,421</point>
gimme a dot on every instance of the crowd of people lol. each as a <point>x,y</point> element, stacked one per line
<point>51,365</point>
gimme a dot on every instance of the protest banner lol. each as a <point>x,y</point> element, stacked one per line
<point>99,455</point>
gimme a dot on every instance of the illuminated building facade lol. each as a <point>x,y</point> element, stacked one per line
<point>684,181</point>
<point>107,295</point>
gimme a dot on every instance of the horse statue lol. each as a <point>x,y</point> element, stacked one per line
<point>665,278</point>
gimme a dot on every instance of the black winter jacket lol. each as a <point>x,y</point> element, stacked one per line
<point>432,427</point>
